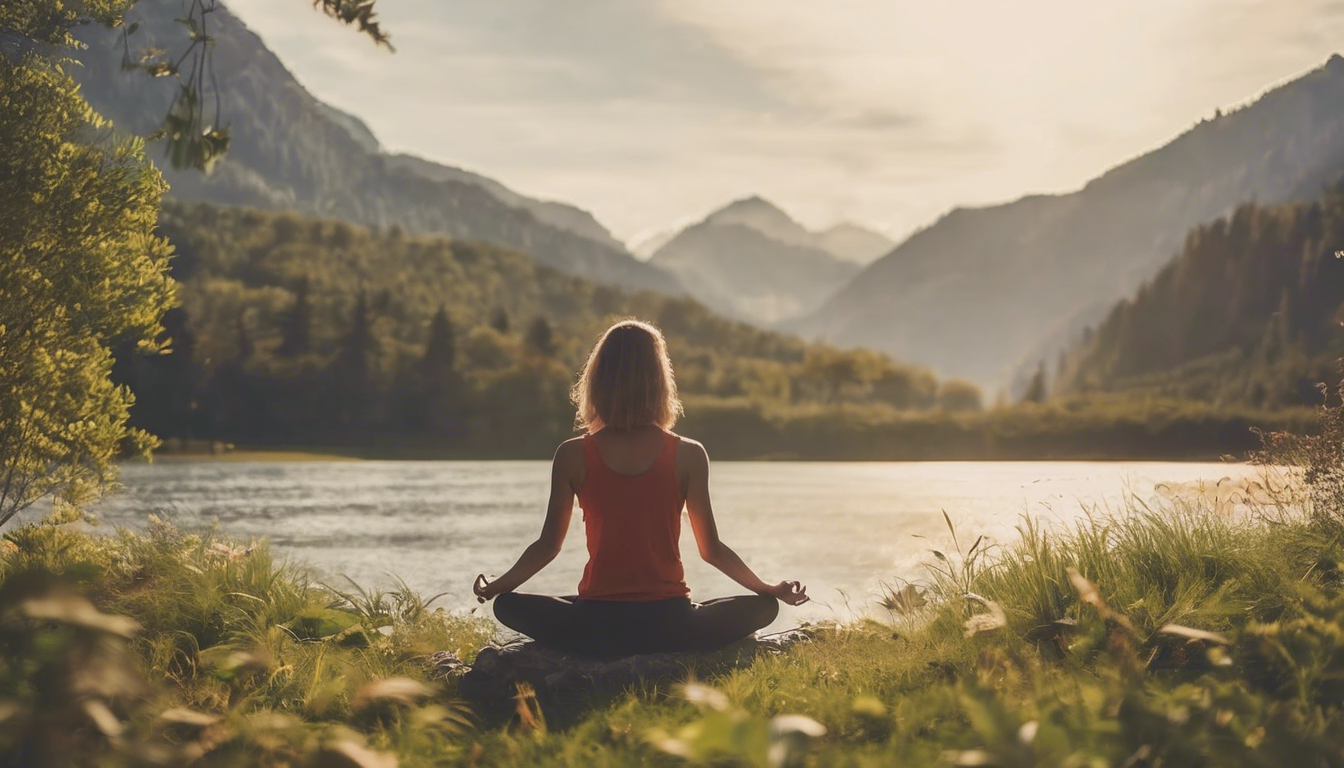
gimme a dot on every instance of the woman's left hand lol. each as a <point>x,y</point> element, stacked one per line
<point>484,589</point>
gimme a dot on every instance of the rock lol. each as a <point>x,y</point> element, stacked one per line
<point>567,685</point>
<point>446,665</point>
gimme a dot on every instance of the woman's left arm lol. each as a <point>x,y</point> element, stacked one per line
<point>542,551</point>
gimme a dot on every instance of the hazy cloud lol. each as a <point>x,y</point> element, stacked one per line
<point>888,112</point>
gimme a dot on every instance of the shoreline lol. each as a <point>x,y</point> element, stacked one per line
<point>324,454</point>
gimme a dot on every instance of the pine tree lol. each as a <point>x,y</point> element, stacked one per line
<point>1036,388</point>
<point>174,380</point>
<point>352,376</point>
<point>245,345</point>
<point>440,396</point>
<point>358,345</point>
<point>441,350</point>
<point>296,328</point>
<point>383,302</point>
<point>540,337</point>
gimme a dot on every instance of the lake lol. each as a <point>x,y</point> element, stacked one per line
<point>841,528</point>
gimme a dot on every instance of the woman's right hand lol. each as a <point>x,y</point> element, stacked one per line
<point>790,592</point>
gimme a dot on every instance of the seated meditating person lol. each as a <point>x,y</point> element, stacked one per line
<point>632,477</point>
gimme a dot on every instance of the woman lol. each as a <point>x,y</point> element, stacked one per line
<point>632,477</point>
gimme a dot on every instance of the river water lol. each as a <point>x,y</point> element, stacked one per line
<point>843,529</point>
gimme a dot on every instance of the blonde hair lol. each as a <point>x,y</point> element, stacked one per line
<point>627,381</point>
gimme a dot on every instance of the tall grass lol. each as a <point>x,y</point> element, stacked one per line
<point>234,659</point>
<point>1177,564</point>
<point>1182,638</point>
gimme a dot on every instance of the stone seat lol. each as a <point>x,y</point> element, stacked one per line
<point>567,685</point>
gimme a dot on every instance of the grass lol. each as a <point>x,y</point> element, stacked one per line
<point>1158,637</point>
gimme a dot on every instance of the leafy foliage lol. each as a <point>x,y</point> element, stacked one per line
<point>83,269</point>
<point>194,134</point>
<point>356,13</point>
<point>189,140</point>
<point>48,22</point>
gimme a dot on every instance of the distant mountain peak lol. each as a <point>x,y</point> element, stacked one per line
<point>755,205</point>
<point>750,259</point>
<point>855,243</point>
<point>751,201</point>
<point>765,217</point>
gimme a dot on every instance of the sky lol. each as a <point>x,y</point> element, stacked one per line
<point>652,113</point>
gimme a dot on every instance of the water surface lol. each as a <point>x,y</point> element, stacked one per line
<point>841,528</point>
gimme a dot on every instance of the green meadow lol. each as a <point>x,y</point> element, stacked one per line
<point>1156,636</point>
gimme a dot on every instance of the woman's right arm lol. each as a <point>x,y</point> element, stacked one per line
<point>712,549</point>
<point>568,457</point>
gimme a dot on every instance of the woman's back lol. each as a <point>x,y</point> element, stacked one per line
<point>632,477</point>
<point>631,499</point>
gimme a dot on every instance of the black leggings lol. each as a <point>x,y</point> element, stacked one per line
<point>620,628</point>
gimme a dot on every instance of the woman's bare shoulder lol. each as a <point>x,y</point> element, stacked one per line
<point>691,450</point>
<point>568,462</point>
<point>570,453</point>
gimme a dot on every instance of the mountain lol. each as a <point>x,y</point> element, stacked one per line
<point>984,289</point>
<point>752,261</point>
<point>291,151</point>
<point>1249,313</point>
<point>850,242</point>
<point>764,217</point>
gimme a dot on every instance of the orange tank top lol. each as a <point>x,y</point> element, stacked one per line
<point>633,526</point>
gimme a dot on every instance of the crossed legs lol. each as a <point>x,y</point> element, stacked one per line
<point>611,628</point>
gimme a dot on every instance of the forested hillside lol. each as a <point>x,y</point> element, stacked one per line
<point>984,290</point>
<point>298,330</point>
<point>1249,313</point>
<point>291,151</point>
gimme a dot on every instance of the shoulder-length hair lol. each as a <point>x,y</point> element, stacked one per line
<point>627,381</point>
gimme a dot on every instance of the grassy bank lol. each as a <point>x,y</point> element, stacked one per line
<point>1178,638</point>
<point>1096,427</point>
